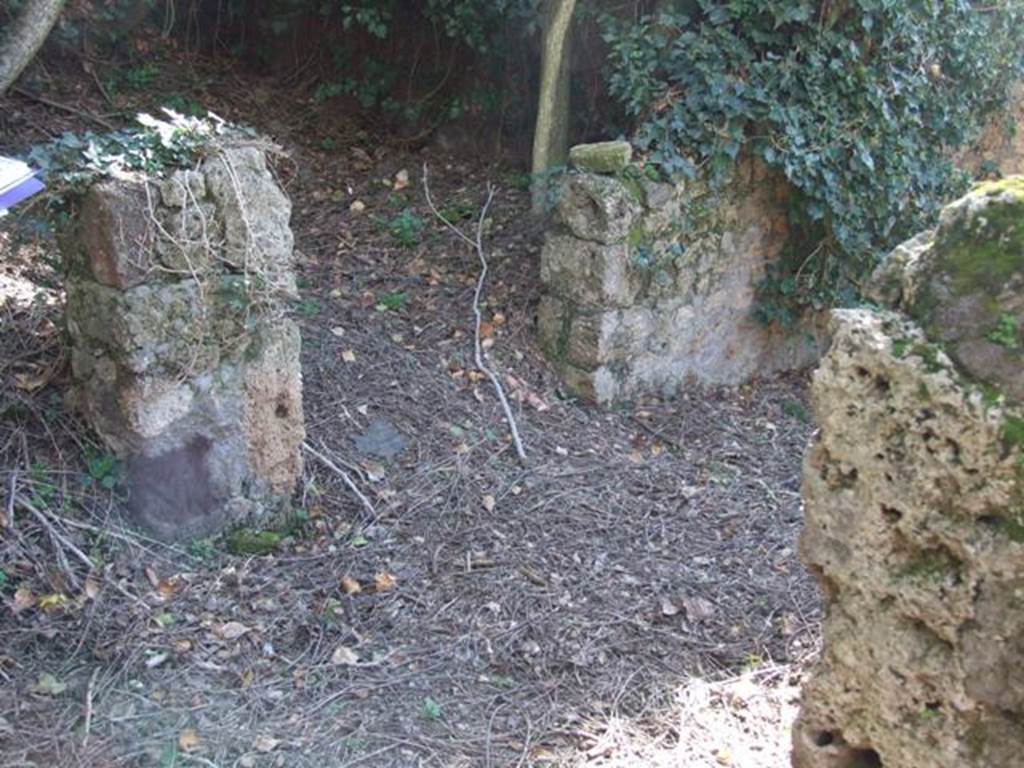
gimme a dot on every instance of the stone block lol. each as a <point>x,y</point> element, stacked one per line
<point>255,212</point>
<point>189,368</point>
<point>965,283</point>
<point>552,325</point>
<point>588,272</point>
<point>650,285</point>
<point>605,157</point>
<point>914,529</point>
<point>114,244</point>
<point>599,209</point>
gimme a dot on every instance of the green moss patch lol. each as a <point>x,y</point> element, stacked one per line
<point>1013,433</point>
<point>983,251</point>
<point>246,541</point>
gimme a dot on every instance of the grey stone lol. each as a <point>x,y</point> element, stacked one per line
<point>380,439</point>
<point>646,285</point>
<point>588,272</point>
<point>182,354</point>
<point>606,157</point>
<point>600,209</point>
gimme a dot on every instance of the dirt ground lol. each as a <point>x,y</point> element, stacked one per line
<point>630,597</point>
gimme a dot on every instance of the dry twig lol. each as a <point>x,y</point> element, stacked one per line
<point>344,476</point>
<point>477,245</point>
<point>60,541</point>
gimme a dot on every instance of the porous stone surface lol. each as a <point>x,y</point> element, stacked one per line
<point>914,504</point>
<point>182,354</point>
<point>647,285</point>
<point>603,157</point>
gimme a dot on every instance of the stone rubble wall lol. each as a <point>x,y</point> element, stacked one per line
<point>183,358</point>
<point>1000,147</point>
<point>914,506</point>
<point>647,286</point>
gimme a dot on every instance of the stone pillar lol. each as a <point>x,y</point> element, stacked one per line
<point>914,497</point>
<point>646,285</point>
<point>183,358</point>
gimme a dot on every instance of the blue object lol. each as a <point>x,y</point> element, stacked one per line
<point>21,192</point>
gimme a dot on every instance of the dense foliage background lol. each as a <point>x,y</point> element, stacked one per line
<point>860,103</point>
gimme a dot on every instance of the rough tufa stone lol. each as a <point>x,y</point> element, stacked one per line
<point>182,355</point>
<point>647,284</point>
<point>965,283</point>
<point>914,505</point>
<point>606,157</point>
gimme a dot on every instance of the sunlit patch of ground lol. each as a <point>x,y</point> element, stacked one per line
<point>744,722</point>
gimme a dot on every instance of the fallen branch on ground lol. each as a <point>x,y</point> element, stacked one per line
<point>59,540</point>
<point>345,478</point>
<point>477,245</point>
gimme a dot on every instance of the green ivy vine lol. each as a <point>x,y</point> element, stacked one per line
<point>858,102</point>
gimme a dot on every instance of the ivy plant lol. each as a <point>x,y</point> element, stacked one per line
<point>858,102</point>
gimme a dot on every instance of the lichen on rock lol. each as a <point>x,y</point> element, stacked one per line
<point>607,157</point>
<point>914,505</point>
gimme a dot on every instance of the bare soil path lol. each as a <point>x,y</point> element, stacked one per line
<point>630,597</point>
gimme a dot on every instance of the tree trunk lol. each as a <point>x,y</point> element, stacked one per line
<point>551,134</point>
<point>24,36</point>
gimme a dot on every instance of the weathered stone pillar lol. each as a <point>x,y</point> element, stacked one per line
<point>914,495</point>
<point>646,285</point>
<point>183,357</point>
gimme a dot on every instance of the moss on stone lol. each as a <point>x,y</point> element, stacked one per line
<point>602,157</point>
<point>980,252</point>
<point>900,347</point>
<point>930,566</point>
<point>1006,332</point>
<point>929,353</point>
<point>246,541</point>
<point>1013,433</point>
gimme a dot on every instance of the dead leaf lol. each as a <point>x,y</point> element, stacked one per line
<point>265,743</point>
<point>231,631</point>
<point>91,589</point>
<point>668,608</point>
<point>350,586</point>
<point>48,685</point>
<point>401,180</point>
<point>188,740</point>
<point>375,472</point>
<point>489,503</point>
<point>53,602</point>
<point>26,382</point>
<point>486,330</point>
<point>537,403</point>
<point>156,660</point>
<point>167,587</point>
<point>723,756</point>
<point>358,206</point>
<point>151,577</point>
<point>349,356</point>
<point>23,600</point>
<point>487,343</point>
<point>384,581</point>
<point>337,331</point>
<point>499,318</point>
<point>344,656</point>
